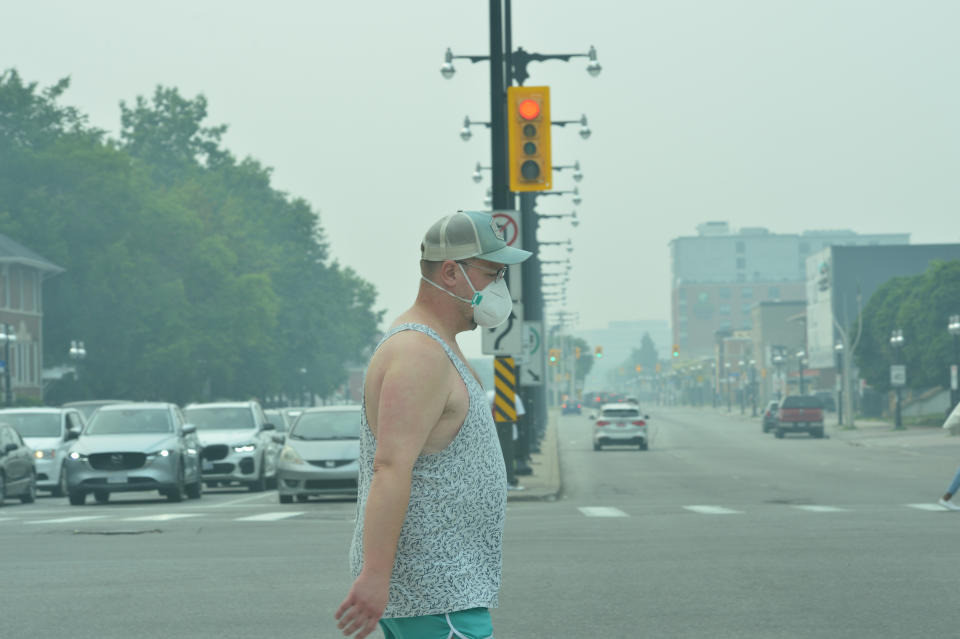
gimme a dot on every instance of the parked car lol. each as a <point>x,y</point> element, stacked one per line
<point>18,478</point>
<point>571,407</point>
<point>800,414</point>
<point>620,424</point>
<point>87,407</point>
<point>770,415</point>
<point>239,444</point>
<point>320,456</point>
<point>827,401</point>
<point>45,432</point>
<point>134,447</point>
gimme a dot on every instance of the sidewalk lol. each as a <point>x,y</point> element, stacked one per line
<point>544,483</point>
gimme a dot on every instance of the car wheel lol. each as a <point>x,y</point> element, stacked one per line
<point>286,499</point>
<point>195,489</point>
<point>597,446</point>
<point>31,495</point>
<point>644,446</point>
<point>176,493</point>
<point>3,489</point>
<point>260,484</point>
<point>817,432</point>
<point>779,433</point>
<point>77,497</point>
<point>102,496</point>
<point>61,488</point>
<point>272,483</point>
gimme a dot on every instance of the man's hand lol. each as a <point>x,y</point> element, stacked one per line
<point>363,607</point>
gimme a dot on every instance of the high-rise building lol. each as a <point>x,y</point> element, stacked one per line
<point>718,275</point>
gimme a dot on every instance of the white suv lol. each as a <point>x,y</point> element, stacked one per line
<point>620,424</point>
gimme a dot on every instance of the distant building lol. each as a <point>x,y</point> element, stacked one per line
<point>778,328</point>
<point>618,341</point>
<point>837,274</point>
<point>22,273</point>
<point>718,275</point>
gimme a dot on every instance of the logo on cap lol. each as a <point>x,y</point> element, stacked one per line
<point>497,230</point>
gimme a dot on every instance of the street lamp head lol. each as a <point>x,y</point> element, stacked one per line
<point>574,220</point>
<point>584,129</point>
<point>593,67</point>
<point>838,347</point>
<point>447,69</point>
<point>465,133</point>
<point>477,177</point>
<point>954,325</point>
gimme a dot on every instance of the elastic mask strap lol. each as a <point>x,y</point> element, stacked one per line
<point>473,302</point>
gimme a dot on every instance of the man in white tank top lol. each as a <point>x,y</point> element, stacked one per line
<point>426,555</point>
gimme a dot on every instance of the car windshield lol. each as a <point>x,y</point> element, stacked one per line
<point>327,425</point>
<point>33,424</point>
<point>802,401</point>
<point>130,421</point>
<point>221,418</point>
<point>621,412</point>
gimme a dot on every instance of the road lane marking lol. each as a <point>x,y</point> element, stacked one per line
<point>237,501</point>
<point>275,516</point>
<point>8,519</point>
<point>713,510</point>
<point>64,520</point>
<point>821,509</point>
<point>932,507</point>
<point>163,517</point>
<point>602,511</point>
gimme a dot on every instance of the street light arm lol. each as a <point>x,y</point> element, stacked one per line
<point>521,58</point>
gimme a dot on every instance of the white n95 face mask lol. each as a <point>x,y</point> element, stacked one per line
<point>491,306</point>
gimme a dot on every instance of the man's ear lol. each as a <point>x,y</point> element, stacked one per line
<point>448,272</point>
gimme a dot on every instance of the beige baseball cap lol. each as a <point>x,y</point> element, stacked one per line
<point>467,234</point>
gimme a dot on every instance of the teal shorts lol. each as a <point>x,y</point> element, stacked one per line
<point>474,623</point>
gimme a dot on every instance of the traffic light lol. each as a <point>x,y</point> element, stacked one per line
<point>639,368</point>
<point>554,356</point>
<point>598,351</point>
<point>676,350</point>
<point>528,145</point>
<point>576,352</point>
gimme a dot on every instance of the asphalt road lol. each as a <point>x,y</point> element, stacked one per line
<point>717,531</point>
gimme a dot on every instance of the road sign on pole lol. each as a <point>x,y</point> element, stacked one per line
<point>509,222</point>
<point>898,375</point>
<point>531,370</point>
<point>953,377</point>
<point>506,339</point>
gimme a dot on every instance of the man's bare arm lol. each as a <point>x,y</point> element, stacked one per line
<point>413,396</point>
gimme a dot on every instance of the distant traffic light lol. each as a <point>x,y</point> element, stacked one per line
<point>639,368</point>
<point>576,352</point>
<point>598,351</point>
<point>676,350</point>
<point>554,356</point>
<point>528,145</point>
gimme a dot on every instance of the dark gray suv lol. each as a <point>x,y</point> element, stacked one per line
<point>18,478</point>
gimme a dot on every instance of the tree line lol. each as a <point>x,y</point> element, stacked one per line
<point>188,275</point>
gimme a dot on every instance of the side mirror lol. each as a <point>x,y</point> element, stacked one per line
<point>593,415</point>
<point>189,428</point>
<point>268,426</point>
<point>279,439</point>
<point>10,448</point>
<point>646,417</point>
<point>71,435</point>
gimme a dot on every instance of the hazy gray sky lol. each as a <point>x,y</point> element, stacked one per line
<point>787,114</point>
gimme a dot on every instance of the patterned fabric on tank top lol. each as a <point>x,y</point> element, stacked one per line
<point>449,554</point>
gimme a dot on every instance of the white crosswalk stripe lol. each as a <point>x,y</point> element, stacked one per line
<point>821,509</point>
<point>602,511</point>
<point>65,520</point>
<point>713,510</point>
<point>164,517</point>
<point>285,514</point>
<point>931,507</point>
<point>8,519</point>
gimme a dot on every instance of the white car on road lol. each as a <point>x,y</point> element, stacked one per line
<point>620,424</point>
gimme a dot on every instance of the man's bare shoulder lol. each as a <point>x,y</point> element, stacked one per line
<point>414,350</point>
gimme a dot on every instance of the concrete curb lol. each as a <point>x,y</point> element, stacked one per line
<point>544,483</point>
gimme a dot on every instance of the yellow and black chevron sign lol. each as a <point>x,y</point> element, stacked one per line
<point>505,382</point>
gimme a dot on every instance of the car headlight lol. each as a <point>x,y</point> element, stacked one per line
<point>159,453</point>
<point>245,448</point>
<point>77,456</point>
<point>45,454</point>
<point>290,456</point>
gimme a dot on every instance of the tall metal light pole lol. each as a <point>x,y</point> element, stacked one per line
<point>800,356</point>
<point>6,337</point>
<point>753,387</point>
<point>954,327</point>
<point>896,343</point>
<point>77,353</point>
<point>840,373</point>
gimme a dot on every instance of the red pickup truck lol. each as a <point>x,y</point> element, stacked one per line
<point>800,414</point>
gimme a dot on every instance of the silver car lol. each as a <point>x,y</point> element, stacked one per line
<point>135,447</point>
<point>45,431</point>
<point>239,444</point>
<point>620,424</point>
<point>320,457</point>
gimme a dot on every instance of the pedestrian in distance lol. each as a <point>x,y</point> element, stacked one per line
<point>952,423</point>
<point>426,554</point>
